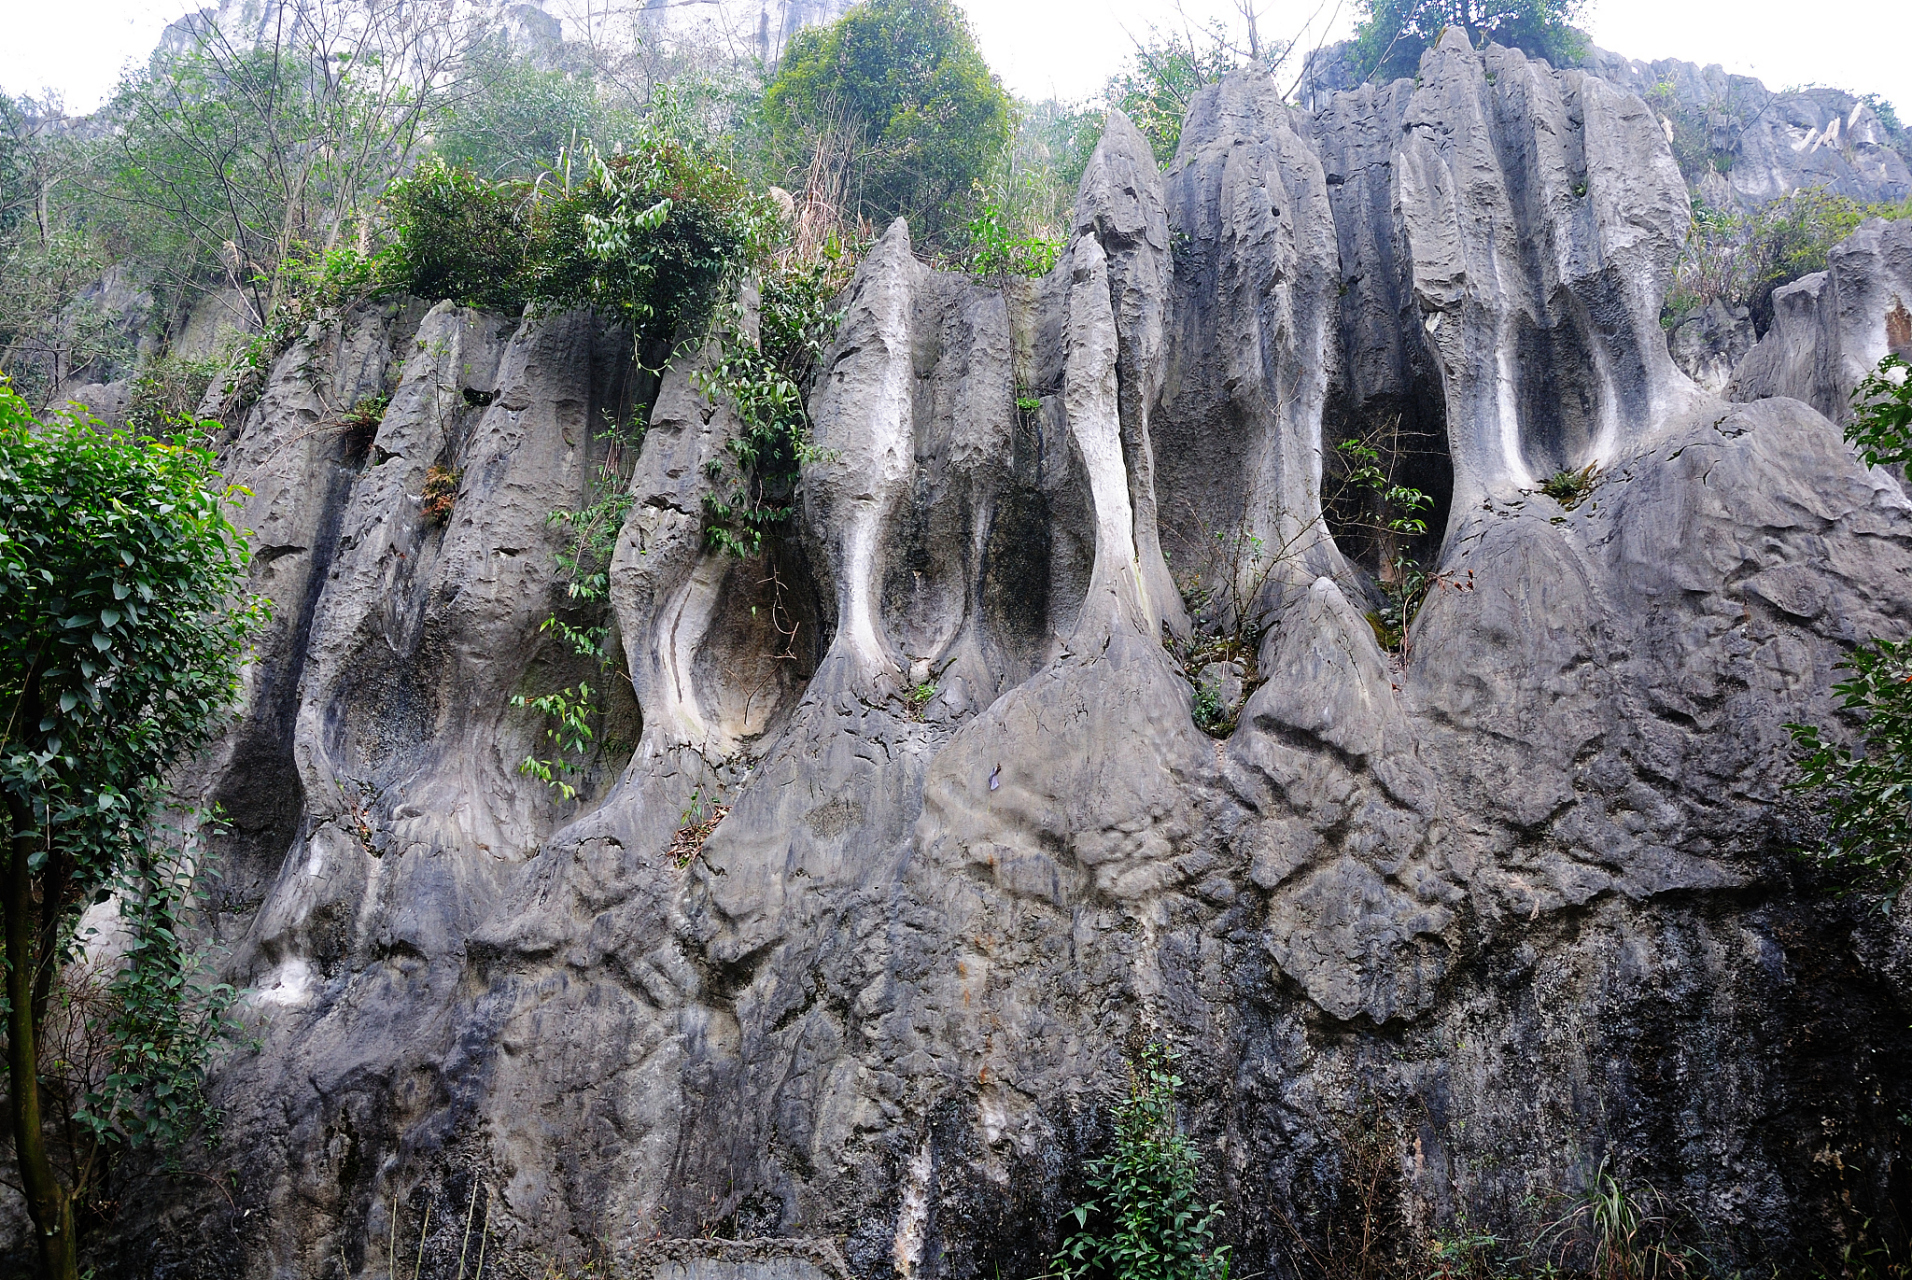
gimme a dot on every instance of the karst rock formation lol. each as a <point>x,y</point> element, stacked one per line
<point>1522,902</point>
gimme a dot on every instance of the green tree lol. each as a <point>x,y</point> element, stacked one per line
<point>50,329</point>
<point>120,649</point>
<point>1393,34</point>
<point>516,117</point>
<point>1146,1220</point>
<point>896,95</point>
<point>226,160</point>
<point>1162,78</point>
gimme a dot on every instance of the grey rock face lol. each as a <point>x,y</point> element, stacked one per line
<point>1832,328</point>
<point>1774,143</point>
<point>1709,344</point>
<point>1524,888</point>
<point>1760,143</point>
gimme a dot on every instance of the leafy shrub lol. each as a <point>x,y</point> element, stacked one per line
<point>456,235</point>
<point>997,250</point>
<point>441,492</point>
<point>1393,34</point>
<point>1881,427</point>
<point>1741,258</point>
<point>902,88</point>
<point>647,236</point>
<point>122,631</point>
<point>1146,1220</point>
<point>1865,795</point>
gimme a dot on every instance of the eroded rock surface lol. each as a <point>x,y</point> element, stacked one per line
<point>1524,890</point>
<point>1831,328</point>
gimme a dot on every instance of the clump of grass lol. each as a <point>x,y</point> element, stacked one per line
<point>1569,487</point>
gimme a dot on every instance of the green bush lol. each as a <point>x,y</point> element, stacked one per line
<point>647,236</point>
<point>1146,1220</point>
<point>1393,34</point>
<point>1882,419</point>
<point>901,89</point>
<point>1864,795</point>
<point>1742,258</point>
<point>457,235</point>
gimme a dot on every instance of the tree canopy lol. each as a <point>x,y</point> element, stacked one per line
<point>120,651</point>
<point>896,94</point>
<point>1393,34</point>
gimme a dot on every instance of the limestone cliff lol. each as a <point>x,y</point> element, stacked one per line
<point>1527,893</point>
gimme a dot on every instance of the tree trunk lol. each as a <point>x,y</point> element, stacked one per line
<point>49,1203</point>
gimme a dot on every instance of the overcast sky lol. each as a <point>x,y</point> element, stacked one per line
<point>1068,47</point>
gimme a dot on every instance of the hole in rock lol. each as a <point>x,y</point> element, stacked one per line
<point>1406,436</point>
<point>764,641</point>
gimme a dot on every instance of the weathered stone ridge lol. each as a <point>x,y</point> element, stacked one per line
<point>1525,891</point>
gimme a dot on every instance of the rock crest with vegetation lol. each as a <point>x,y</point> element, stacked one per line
<point>1519,878</point>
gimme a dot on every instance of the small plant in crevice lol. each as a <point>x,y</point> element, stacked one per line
<point>1145,1217</point>
<point>1220,654</point>
<point>919,697</point>
<point>1391,514</point>
<point>358,426</point>
<point>1568,488</point>
<point>440,494</point>
<point>569,713</point>
<point>1212,713</point>
<point>695,824</point>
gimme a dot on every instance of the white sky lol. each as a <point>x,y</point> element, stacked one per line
<point>1068,47</point>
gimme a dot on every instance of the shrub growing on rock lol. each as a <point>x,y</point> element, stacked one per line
<point>1146,1220</point>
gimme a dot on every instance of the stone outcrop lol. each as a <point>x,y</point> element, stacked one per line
<point>1762,144</point>
<point>1520,895</point>
<point>1830,329</point>
<point>1746,144</point>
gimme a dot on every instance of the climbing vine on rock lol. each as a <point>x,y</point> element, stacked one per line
<point>584,560</point>
<point>766,377</point>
